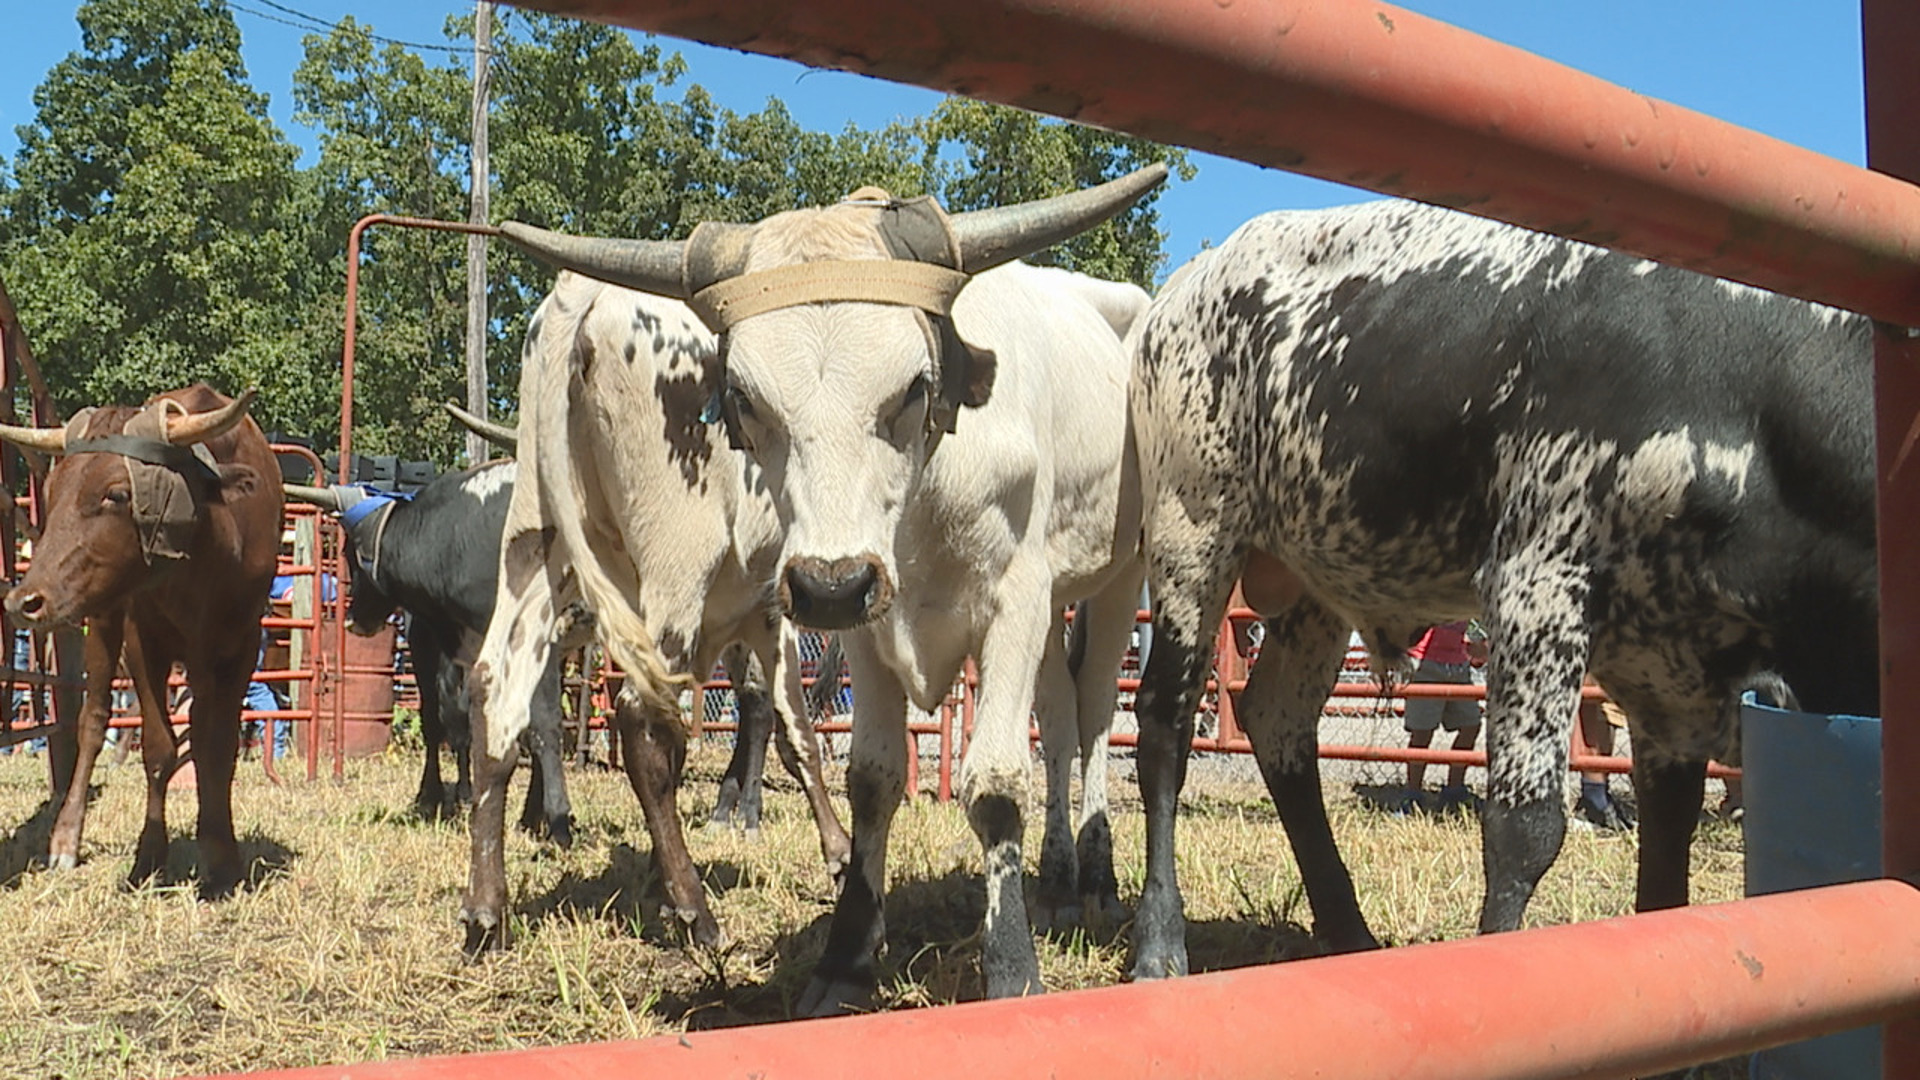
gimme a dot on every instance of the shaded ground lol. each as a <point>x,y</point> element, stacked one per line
<point>346,946</point>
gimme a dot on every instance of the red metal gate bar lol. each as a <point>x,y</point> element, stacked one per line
<point>1367,94</point>
<point>1891,31</point>
<point>1743,976</point>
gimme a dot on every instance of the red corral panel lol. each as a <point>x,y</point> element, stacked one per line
<point>1370,95</point>
<point>1891,30</point>
<point>1495,1008</point>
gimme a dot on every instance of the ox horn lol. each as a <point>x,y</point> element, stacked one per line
<point>324,498</point>
<point>47,440</point>
<point>498,434</point>
<point>653,266</point>
<point>988,238</point>
<point>199,427</point>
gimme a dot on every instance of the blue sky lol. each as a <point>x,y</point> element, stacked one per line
<point>1790,68</point>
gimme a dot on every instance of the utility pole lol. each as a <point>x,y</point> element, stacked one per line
<point>477,450</point>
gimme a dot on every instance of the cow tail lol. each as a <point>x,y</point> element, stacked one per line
<point>621,630</point>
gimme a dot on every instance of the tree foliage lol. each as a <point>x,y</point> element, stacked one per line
<point>157,228</point>
<point>151,237</point>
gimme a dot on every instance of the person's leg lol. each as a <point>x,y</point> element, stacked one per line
<point>1421,721</point>
<point>1596,804</point>
<point>1463,739</point>
<point>1417,770</point>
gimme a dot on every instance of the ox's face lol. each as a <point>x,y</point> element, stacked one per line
<point>832,400</point>
<point>88,558</point>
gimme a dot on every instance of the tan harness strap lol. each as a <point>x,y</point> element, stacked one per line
<point>880,281</point>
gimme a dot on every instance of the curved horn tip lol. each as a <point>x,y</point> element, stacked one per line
<point>494,432</point>
<point>987,238</point>
<point>199,427</point>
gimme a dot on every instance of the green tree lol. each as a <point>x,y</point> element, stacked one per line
<point>392,131</point>
<point>146,236</point>
<point>992,155</point>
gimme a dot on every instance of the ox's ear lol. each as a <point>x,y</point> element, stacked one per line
<point>236,481</point>
<point>966,377</point>
<point>976,383</point>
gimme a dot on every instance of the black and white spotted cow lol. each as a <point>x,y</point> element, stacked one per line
<point>1390,415</point>
<point>941,439</point>
<point>629,501</point>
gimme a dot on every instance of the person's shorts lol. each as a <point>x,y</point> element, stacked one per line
<point>1454,714</point>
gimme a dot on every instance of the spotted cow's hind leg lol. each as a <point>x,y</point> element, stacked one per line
<point>1280,707</point>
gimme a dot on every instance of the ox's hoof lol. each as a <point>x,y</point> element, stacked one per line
<point>1157,964</point>
<point>560,831</point>
<point>1054,913</point>
<point>221,885</point>
<point>836,996</point>
<point>700,926</point>
<point>1106,908</point>
<point>485,933</point>
<point>1348,941</point>
<point>63,861</point>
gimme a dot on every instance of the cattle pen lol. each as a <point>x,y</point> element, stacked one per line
<point>1370,95</point>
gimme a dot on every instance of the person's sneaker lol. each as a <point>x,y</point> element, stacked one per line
<point>1456,799</point>
<point>1604,813</point>
<point>1410,802</point>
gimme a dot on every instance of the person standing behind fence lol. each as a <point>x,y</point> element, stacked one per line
<point>1445,654</point>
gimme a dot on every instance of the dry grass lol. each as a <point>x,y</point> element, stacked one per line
<point>346,946</point>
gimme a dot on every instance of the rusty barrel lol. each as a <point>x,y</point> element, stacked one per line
<point>367,684</point>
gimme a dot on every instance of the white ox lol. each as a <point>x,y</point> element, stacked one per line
<point>626,500</point>
<point>951,473</point>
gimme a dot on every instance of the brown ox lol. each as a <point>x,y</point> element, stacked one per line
<point>162,531</point>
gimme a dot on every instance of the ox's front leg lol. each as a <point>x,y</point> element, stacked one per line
<point>1280,708</point>
<point>214,724</point>
<point>876,781</point>
<point>1538,649</point>
<point>159,751</point>
<point>429,665</point>
<point>800,746</point>
<point>1189,598</point>
<point>500,691</point>
<point>103,660</point>
<point>994,779</point>
<point>654,749</point>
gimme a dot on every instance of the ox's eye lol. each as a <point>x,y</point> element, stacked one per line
<point>116,498</point>
<point>910,416</point>
<point>741,404</point>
